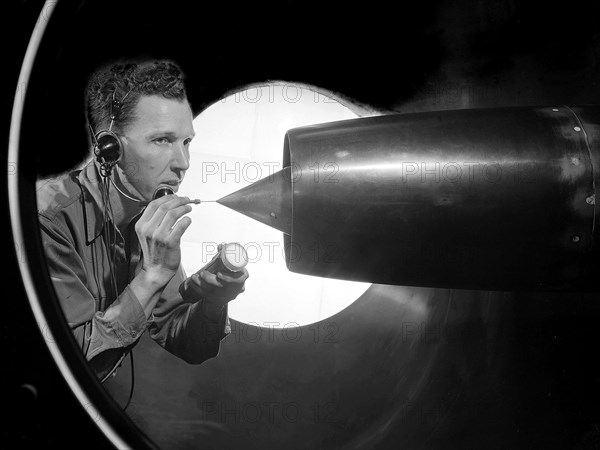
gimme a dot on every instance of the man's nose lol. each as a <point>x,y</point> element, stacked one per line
<point>181,158</point>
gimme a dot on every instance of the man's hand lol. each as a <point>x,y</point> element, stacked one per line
<point>219,288</point>
<point>214,290</point>
<point>159,231</point>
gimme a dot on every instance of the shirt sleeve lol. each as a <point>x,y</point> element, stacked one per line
<point>118,326</point>
<point>183,329</point>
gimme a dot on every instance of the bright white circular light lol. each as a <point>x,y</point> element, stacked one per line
<point>239,140</point>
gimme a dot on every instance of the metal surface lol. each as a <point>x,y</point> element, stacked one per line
<point>474,199</point>
<point>268,200</point>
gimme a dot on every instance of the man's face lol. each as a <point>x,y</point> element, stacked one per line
<point>156,145</point>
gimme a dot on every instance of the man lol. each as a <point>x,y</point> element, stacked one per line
<point>113,250</point>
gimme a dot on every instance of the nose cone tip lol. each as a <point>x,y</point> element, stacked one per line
<point>268,200</point>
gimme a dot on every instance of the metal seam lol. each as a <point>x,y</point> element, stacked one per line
<point>587,145</point>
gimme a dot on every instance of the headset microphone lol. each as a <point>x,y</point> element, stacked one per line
<point>162,191</point>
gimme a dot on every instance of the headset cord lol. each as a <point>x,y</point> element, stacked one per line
<point>132,380</point>
<point>110,247</point>
<point>112,274</point>
<point>123,193</point>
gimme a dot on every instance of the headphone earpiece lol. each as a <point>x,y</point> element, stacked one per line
<point>108,147</point>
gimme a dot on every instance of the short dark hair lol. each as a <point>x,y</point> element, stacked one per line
<point>127,82</point>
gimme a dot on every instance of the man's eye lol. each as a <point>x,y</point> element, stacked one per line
<point>187,141</point>
<point>161,141</point>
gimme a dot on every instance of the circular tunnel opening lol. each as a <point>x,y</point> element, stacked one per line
<point>239,141</point>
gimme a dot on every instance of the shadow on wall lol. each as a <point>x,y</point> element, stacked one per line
<point>398,365</point>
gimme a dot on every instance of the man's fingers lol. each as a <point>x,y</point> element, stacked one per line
<point>155,204</point>
<point>156,211</point>
<point>163,204</point>
<point>172,216</point>
<point>230,279</point>
<point>238,279</point>
<point>207,277</point>
<point>180,227</point>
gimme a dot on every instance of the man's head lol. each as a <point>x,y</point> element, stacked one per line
<point>153,121</point>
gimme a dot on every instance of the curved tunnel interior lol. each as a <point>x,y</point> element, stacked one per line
<point>389,366</point>
<point>399,366</point>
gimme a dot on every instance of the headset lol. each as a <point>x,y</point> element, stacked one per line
<point>107,145</point>
<point>108,150</point>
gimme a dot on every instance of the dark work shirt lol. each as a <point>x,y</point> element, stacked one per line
<point>82,247</point>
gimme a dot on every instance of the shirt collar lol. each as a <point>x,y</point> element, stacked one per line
<point>96,215</point>
<point>92,184</point>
